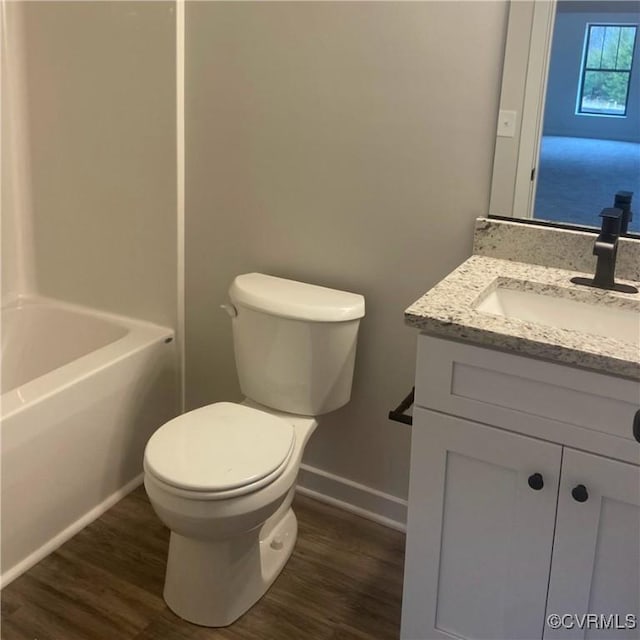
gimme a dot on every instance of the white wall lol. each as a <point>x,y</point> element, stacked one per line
<point>344,144</point>
<point>560,118</point>
<point>100,138</point>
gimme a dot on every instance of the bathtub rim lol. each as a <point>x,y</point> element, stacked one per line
<point>140,334</point>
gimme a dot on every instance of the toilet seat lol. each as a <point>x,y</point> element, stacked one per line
<point>220,451</point>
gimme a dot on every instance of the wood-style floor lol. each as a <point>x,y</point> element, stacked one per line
<point>343,582</point>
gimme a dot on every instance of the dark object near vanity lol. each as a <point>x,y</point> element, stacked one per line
<point>399,413</point>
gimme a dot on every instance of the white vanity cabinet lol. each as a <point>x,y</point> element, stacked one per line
<point>524,497</point>
<point>479,539</point>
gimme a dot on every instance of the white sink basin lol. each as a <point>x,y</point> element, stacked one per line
<point>598,319</point>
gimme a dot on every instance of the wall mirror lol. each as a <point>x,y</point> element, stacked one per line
<point>568,133</point>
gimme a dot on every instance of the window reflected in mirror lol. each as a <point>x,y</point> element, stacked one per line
<point>606,69</point>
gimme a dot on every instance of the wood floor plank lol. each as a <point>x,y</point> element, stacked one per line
<point>134,553</point>
<point>9,603</point>
<point>52,614</point>
<point>343,582</point>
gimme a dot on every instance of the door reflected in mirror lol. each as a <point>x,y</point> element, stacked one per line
<point>578,139</point>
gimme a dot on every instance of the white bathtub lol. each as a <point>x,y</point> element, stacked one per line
<point>82,391</point>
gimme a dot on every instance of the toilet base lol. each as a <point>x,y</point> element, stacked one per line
<point>213,582</point>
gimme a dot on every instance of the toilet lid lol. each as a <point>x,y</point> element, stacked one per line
<point>220,447</point>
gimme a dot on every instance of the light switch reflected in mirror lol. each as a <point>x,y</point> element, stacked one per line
<point>572,77</point>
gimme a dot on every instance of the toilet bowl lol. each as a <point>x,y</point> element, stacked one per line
<point>222,477</point>
<point>227,546</point>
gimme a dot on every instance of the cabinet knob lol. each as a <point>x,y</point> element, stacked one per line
<point>579,493</point>
<point>636,425</point>
<point>536,481</point>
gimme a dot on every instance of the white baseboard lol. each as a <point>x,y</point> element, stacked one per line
<point>352,496</point>
<point>68,533</point>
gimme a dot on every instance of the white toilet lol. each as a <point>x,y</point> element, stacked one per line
<point>222,477</point>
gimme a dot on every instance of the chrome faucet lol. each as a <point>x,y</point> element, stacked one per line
<point>606,249</point>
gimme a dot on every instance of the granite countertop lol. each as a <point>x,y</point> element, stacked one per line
<point>448,311</point>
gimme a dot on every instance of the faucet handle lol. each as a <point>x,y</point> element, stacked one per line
<point>611,221</point>
<point>623,197</point>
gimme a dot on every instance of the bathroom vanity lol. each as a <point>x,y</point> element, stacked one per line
<point>524,496</point>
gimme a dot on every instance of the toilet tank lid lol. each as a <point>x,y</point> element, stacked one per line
<point>297,300</point>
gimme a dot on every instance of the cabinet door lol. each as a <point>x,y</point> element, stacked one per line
<point>479,538</point>
<point>596,553</point>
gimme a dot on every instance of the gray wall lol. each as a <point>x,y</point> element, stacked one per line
<point>343,144</point>
<point>101,144</point>
<point>560,117</point>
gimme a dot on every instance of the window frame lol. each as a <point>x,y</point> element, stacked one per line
<point>584,69</point>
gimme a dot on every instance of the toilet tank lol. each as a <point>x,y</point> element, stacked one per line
<point>294,343</point>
